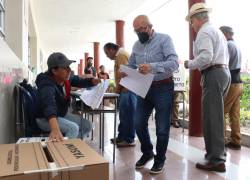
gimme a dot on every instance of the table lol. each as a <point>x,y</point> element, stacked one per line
<point>101,111</point>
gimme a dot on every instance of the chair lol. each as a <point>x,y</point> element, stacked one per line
<point>26,108</point>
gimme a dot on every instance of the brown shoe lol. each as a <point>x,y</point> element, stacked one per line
<point>233,146</point>
<point>212,167</point>
<point>125,144</point>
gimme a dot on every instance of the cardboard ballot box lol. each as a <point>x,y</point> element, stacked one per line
<point>67,160</point>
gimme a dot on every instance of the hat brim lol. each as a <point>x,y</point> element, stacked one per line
<point>67,63</point>
<point>188,17</point>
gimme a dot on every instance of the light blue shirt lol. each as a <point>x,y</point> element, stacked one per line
<point>159,52</point>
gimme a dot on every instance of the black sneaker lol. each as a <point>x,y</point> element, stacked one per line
<point>233,146</point>
<point>117,140</point>
<point>143,160</point>
<point>157,167</point>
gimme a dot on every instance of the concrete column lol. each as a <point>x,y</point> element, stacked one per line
<point>81,67</point>
<point>86,55</point>
<point>78,69</point>
<point>195,118</point>
<point>96,56</point>
<point>119,24</point>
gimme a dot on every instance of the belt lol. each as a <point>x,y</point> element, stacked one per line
<point>164,81</point>
<point>213,67</point>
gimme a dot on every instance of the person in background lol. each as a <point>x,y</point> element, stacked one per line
<point>211,58</point>
<point>154,53</point>
<point>102,74</point>
<point>54,99</point>
<point>175,110</point>
<point>232,100</point>
<point>127,99</point>
<point>90,69</point>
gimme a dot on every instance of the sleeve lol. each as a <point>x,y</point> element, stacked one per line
<point>77,81</point>
<point>205,52</point>
<point>122,60</point>
<point>48,101</point>
<point>132,61</point>
<point>170,61</point>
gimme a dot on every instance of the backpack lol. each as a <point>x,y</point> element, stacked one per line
<point>29,108</point>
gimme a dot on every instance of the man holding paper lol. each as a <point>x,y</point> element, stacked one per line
<point>154,53</point>
<point>127,99</point>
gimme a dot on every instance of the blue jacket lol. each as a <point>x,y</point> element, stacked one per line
<point>51,98</point>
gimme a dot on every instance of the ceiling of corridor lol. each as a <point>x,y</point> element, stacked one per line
<point>72,25</point>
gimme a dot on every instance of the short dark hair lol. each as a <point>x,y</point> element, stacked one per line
<point>88,58</point>
<point>111,46</point>
<point>102,66</point>
<point>50,72</point>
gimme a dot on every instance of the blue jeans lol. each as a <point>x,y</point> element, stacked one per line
<point>127,107</point>
<point>159,97</point>
<point>69,125</point>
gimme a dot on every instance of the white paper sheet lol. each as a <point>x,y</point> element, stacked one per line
<point>93,97</point>
<point>135,81</point>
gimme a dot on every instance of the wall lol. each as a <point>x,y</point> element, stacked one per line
<point>11,71</point>
<point>16,28</point>
<point>14,60</point>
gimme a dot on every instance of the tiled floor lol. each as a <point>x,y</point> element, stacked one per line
<point>183,152</point>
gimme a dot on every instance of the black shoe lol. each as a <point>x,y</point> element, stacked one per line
<point>157,167</point>
<point>118,140</point>
<point>233,146</point>
<point>143,160</point>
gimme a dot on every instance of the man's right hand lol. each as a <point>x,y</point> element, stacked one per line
<point>55,132</point>
<point>122,74</point>
<point>55,135</point>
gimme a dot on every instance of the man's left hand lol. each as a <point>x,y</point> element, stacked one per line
<point>145,68</point>
<point>96,81</point>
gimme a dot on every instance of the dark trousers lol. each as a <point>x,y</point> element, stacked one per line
<point>159,97</point>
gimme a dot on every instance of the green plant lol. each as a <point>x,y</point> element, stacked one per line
<point>245,101</point>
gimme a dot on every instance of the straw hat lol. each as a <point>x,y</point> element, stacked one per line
<point>197,8</point>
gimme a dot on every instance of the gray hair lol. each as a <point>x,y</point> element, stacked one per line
<point>201,15</point>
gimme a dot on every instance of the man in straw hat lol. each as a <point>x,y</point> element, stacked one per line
<point>211,58</point>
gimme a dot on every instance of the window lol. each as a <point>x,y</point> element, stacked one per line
<point>2,13</point>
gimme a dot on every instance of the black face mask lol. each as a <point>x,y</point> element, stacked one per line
<point>143,37</point>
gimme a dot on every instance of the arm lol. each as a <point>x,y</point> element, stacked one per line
<point>55,132</point>
<point>122,60</point>
<point>205,52</point>
<point>77,81</point>
<point>48,102</point>
<point>170,61</point>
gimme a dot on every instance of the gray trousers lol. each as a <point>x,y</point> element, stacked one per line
<point>215,84</point>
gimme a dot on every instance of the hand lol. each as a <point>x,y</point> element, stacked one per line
<point>145,68</point>
<point>56,135</point>
<point>186,64</point>
<point>96,81</point>
<point>123,74</point>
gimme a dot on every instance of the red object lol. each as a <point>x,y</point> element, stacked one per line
<point>195,117</point>
<point>96,56</point>
<point>119,24</point>
<point>67,89</point>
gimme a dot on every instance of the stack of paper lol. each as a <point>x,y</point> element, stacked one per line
<point>136,82</point>
<point>93,97</point>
